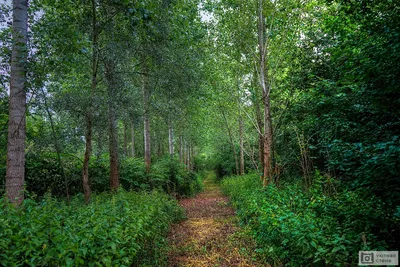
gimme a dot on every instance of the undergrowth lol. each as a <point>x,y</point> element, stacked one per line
<point>122,229</point>
<point>44,174</point>
<point>319,227</point>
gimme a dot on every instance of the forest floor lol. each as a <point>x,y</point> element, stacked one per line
<point>210,236</point>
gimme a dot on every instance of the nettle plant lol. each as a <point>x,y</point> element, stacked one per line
<point>121,229</point>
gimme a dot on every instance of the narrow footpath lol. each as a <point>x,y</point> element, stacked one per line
<point>210,235</point>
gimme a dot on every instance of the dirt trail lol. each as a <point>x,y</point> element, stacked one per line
<point>210,237</point>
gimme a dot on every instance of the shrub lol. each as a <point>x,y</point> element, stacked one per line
<point>133,174</point>
<point>123,229</point>
<point>172,177</point>
<point>43,174</point>
<point>298,228</point>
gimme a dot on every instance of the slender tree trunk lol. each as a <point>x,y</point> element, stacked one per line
<point>56,144</point>
<point>133,140</point>
<point>89,115</point>
<point>241,144</point>
<point>146,105</point>
<point>188,157</point>
<point>159,148</point>
<point>185,154</point>
<point>261,147</point>
<point>305,161</point>
<point>241,147</point>
<point>171,139</point>
<point>267,153</point>
<point>125,139</point>
<point>112,123</point>
<point>15,172</point>
<point>259,130</point>
<point>180,149</point>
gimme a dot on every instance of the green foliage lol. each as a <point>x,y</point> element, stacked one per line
<point>133,174</point>
<point>321,227</point>
<point>44,175</point>
<point>174,178</point>
<point>373,167</point>
<point>345,97</point>
<point>123,229</point>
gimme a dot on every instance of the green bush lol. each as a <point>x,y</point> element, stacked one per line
<point>173,177</point>
<point>44,175</point>
<point>133,174</point>
<point>298,228</point>
<point>123,229</point>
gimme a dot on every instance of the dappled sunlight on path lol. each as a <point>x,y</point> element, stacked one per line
<point>210,237</point>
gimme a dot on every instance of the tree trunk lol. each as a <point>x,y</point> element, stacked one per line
<point>15,172</point>
<point>146,115</point>
<point>185,154</point>
<point>56,145</point>
<point>241,147</point>
<point>189,166</point>
<point>241,156</point>
<point>125,140</point>
<point>259,130</point>
<point>192,153</point>
<point>133,140</point>
<point>180,149</point>
<point>89,115</point>
<point>267,138</point>
<point>171,139</point>
<point>267,178</point>
<point>159,148</point>
<point>112,123</point>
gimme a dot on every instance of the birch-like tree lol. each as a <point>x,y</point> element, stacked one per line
<point>15,173</point>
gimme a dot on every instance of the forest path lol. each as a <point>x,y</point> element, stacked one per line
<point>210,237</point>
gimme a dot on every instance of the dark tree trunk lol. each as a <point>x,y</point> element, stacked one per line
<point>15,172</point>
<point>185,154</point>
<point>146,115</point>
<point>125,140</point>
<point>267,143</point>
<point>133,140</point>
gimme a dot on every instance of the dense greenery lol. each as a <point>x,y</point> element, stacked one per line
<point>335,101</point>
<point>44,175</point>
<point>323,226</point>
<point>122,229</point>
<point>143,95</point>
